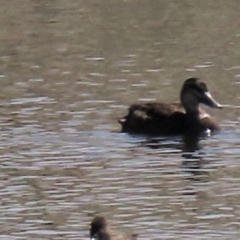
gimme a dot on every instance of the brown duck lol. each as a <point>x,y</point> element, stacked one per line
<point>100,230</point>
<point>174,118</point>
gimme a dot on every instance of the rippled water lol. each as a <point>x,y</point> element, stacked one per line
<point>69,70</point>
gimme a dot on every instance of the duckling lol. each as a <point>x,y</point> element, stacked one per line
<point>100,230</point>
<point>174,118</point>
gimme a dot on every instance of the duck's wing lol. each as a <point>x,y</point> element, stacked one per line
<point>155,110</point>
<point>154,118</point>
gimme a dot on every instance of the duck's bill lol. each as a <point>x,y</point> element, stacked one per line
<point>210,101</point>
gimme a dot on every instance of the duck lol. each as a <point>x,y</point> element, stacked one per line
<point>159,118</point>
<point>100,230</point>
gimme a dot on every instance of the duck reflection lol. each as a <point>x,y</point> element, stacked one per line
<point>189,145</point>
<point>193,160</point>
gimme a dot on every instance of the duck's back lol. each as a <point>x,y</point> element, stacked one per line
<point>154,118</point>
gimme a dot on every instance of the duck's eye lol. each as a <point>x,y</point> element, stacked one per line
<point>203,86</point>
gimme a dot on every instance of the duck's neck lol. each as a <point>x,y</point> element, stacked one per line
<point>104,234</point>
<point>192,117</point>
<point>192,114</point>
<point>192,131</point>
<point>190,103</point>
<point>193,126</point>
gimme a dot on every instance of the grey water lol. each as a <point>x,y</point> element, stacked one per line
<point>68,71</point>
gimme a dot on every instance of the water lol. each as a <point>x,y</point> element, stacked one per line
<point>69,70</point>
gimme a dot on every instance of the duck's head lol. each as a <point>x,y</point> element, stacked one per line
<point>194,92</point>
<point>98,225</point>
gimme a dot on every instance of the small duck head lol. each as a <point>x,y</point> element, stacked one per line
<point>99,227</point>
<point>194,92</point>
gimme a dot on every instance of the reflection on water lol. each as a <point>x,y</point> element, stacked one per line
<point>68,71</point>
